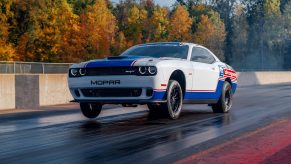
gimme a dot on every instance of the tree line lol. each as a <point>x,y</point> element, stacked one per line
<point>249,34</point>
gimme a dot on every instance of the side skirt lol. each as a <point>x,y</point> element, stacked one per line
<point>210,101</point>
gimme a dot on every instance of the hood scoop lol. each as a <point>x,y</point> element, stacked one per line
<point>116,57</point>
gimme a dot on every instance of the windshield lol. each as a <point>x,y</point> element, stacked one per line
<point>158,51</point>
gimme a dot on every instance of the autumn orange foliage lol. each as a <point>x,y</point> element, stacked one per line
<point>72,31</point>
<point>180,25</point>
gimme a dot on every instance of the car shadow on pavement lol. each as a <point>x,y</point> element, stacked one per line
<point>148,121</point>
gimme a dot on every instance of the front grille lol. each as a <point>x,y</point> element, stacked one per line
<point>111,71</point>
<point>112,92</point>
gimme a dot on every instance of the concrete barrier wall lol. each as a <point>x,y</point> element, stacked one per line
<point>7,92</point>
<point>26,91</point>
<point>53,89</point>
<point>32,91</point>
<point>263,78</point>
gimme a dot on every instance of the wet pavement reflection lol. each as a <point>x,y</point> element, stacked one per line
<point>132,135</point>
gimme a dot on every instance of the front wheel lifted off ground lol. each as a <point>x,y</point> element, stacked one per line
<point>91,110</point>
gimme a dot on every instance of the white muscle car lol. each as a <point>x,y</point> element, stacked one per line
<point>161,75</point>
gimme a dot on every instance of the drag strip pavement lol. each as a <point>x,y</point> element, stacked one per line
<point>123,135</point>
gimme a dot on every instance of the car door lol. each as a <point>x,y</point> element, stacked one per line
<point>206,71</point>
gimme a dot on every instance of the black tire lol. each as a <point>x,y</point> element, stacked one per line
<point>174,100</point>
<point>91,110</point>
<point>156,110</point>
<point>225,101</point>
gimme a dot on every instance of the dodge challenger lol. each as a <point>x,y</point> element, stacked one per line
<point>164,76</point>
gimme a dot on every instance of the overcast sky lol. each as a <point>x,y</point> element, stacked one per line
<point>160,2</point>
<point>165,2</point>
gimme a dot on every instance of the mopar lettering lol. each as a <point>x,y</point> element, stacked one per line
<point>105,82</point>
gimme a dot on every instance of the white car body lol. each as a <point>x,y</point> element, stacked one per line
<point>203,81</point>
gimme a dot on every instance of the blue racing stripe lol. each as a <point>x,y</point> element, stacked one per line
<point>118,62</point>
<point>159,95</point>
<point>198,95</point>
<point>234,86</point>
<point>194,95</point>
<point>205,95</point>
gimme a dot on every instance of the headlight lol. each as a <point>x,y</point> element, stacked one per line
<point>77,72</point>
<point>74,72</point>
<point>152,70</point>
<point>82,71</point>
<point>142,70</point>
<point>147,71</point>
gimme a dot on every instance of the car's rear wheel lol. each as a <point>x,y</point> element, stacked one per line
<point>225,102</point>
<point>174,100</point>
<point>91,110</point>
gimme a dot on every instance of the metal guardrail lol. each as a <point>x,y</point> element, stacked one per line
<point>33,68</point>
<point>7,67</point>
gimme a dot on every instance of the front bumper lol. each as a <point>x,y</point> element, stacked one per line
<point>78,85</point>
<point>121,101</point>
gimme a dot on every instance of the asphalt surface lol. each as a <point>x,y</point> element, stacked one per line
<point>60,134</point>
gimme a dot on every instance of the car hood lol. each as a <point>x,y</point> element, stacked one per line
<point>122,61</point>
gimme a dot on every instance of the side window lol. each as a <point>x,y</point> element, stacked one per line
<point>201,55</point>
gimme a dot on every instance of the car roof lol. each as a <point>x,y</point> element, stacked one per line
<point>168,43</point>
<point>178,44</point>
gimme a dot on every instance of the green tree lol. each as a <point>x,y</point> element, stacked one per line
<point>272,7</point>
<point>265,32</point>
<point>226,10</point>
<point>80,5</point>
<point>159,24</point>
<point>149,6</point>
<point>121,12</point>
<point>283,4</point>
<point>210,32</point>
<point>271,36</point>
<point>136,24</point>
<point>239,40</point>
<point>120,44</point>
<point>287,35</point>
